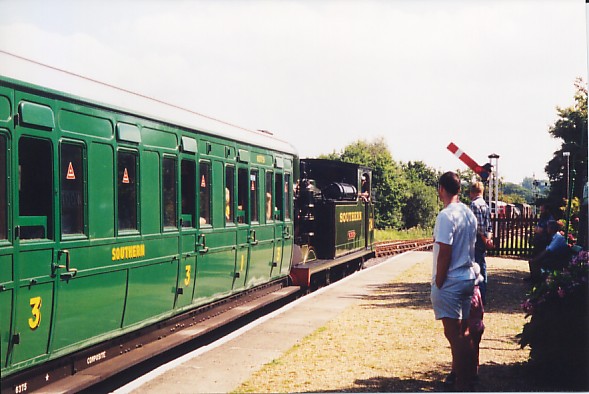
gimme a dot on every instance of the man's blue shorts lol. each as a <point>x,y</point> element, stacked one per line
<point>453,299</point>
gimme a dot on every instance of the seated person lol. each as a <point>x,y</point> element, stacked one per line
<point>541,238</point>
<point>365,189</point>
<point>555,256</point>
<point>228,216</point>
<point>269,212</point>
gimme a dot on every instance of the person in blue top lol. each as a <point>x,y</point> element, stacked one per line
<point>453,276</point>
<point>541,238</point>
<point>554,256</point>
<point>484,229</point>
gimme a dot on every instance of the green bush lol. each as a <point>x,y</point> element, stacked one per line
<point>558,330</point>
<point>416,232</point>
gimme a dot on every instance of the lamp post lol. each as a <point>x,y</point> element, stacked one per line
<point>494,181</point>
<point>567,155</point>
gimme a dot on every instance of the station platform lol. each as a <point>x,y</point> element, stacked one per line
<point>373,331</point>
<point>224,365</point>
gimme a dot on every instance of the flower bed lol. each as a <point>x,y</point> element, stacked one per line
<point>558,330</point>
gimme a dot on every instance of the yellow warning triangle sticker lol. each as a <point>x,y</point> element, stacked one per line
<point>125,176</point>
<point>70,172</point>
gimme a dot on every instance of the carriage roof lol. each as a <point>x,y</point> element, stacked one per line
<point>19,70</point>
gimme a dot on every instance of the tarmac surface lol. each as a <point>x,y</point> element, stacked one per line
<point>223,365</point>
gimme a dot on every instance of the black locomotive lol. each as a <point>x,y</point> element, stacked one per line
<point>334,219</point>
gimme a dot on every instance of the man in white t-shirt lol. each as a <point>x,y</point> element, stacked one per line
<point>453,276</point>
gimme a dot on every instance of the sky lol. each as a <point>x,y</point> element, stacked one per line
<point>486,75</point>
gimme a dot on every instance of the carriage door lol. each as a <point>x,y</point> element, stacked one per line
<point>261,236</point>
<point>243,228</point>
<point>288,226</point>
<point>272,222</point>
<point>188,223</point>
<point>36,257</point>
<point>6,248</point>
<point>283,246</point>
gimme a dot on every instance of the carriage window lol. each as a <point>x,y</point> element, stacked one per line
<point>229,194</point>
<point>188,193</point>
<point>35,188</point>
<point>205,193</point>
<point>3,197</point>
<point>269,196</point>
<point>127,190</point>
<point>279,197</point>
<point>169,185</point>
<point>242,195</point>
<point>287,196</point>
<point>254,195</point>
<point>72,189</point>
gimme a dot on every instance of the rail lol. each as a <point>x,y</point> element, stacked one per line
<point>389,248</point>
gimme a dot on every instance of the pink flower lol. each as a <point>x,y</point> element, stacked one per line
<point>527,306</point>
<point>561,292</point>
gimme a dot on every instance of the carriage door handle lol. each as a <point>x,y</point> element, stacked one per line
<point>70,272</point>
<point>252,238</point>
<point>286,233</point>
<point>203,244</point>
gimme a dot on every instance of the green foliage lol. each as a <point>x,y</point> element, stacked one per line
<point>557,330</point>
<point>571,128</point>
<point>421,205</point>
<point>404,194</point>
<point>403,235</point>
<point>466,178</point>
<point>512,198</point>
<point>419,171</point>
<point>539,188</point>
<point>517,193</point>
<point>573,229</point>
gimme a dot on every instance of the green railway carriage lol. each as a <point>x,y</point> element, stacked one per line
<point>117,211</point>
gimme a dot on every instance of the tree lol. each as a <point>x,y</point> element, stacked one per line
<point>422,204</point>
<point>467,177</point>
<point>419,171</point>
<point>571,128</point>
<point>538,188</point>
<point>517,193</point>
<point>512,198</point>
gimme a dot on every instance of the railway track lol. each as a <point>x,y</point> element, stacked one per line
<point>390,248</point>
<point>113,363</point>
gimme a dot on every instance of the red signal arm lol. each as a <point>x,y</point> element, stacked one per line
<point>466,159</point>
